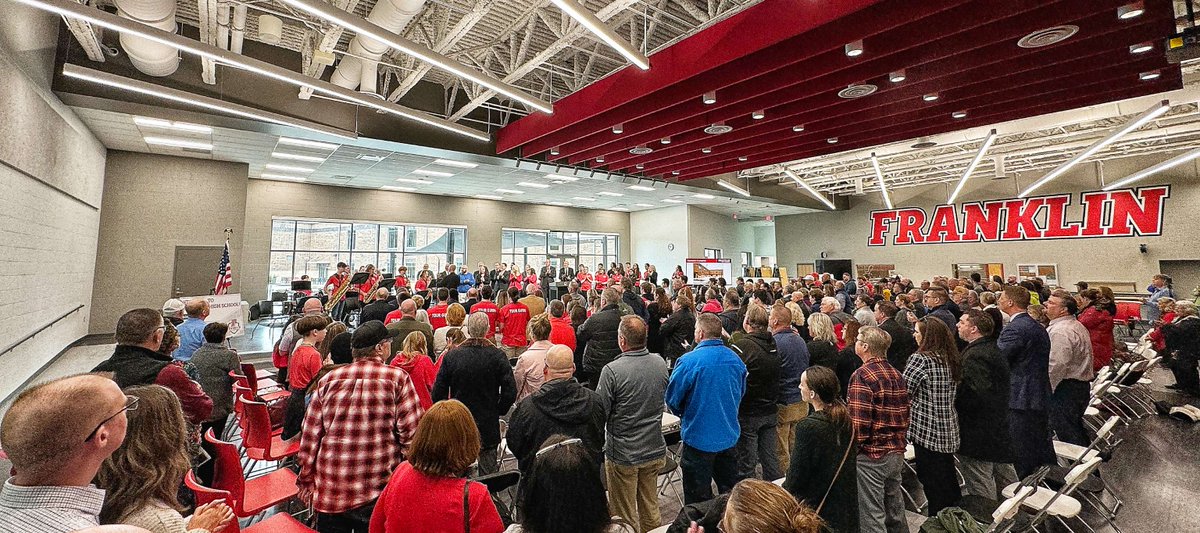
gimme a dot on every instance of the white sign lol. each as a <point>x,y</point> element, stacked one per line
<point>701,270</point>
<point>225,308</point>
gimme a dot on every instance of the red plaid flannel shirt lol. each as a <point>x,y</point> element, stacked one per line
<point>360,422</point>
<point>878,401</point>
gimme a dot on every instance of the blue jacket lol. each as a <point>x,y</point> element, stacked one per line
<point>705,390</point>
<point>191,336</point>
<point>465,282</point>
<point>793,352</point>
<point>1026,346</point>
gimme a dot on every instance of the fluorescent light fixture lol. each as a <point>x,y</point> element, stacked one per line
<point>832,140</point>
<point>280,177</point>
<point>703,196</point>
<point>854,49</point>
<point>559,204</point>
<point>743,158</point>
<point>1155,169</point>
<point>619,129</point>
<point>167,124</point>
<point>1149,75</point>
<point>987,143</point>
<point>618,209</point>
<point>582,199</point>
<point>804,185</point>
<point>456,164</point>
<point>640,188</point>
<point>489,197</point>
<point>665,140</point>
<point>959,114</point>
<point>298,157</point>
<point>510,191</point>
<point>1131,10</point>
<point>605,33</point>
<point>308,144</point>
<point>554,151</point>
<point>288,168</point>
<point>706,150</point>
<point>758,115</point>
<point>671,201</point>
<point>397,188</point>
<point>71,9</point>
<point>560,177</point>
<point>643,205</point>
<point>798,128</point>
<point>181,143</point>
<point>897,76</point>
<point>606,193</point>
<point>1141,120</point>
<point>1141,48</point>
<point>709,98</point>
<point>533,185</point>
<point>734,188</point>
<point>887,198</point>
<point>930,97</point>
<point>433,173</point>
<point>416,181</point>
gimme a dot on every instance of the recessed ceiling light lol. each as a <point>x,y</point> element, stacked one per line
<point>959,114</point>
<point>710,97</point>
<point>703,196</point>
<point>743,158</point>
<point>618,129</point>
<point>167,124</point>
<point>582,199</point>
<point>758,115</point>
<point>606,193</point>
<point>510,191</point>
<point>671,201</point>
<point>641,149</point>
<point>640,188</point>
<point>665,140</point>
<point>489,197</point>
<point>397,188</point>
<point>560,177</point>
<point>897,76</point>
<point>458,164</point>
<point>930,97</point>
<point>798,128</point>
<point>1150,75</point>
<point>366,157</point>
<point>554,151</point>
<point>854,49</point>
<point>195,145</point>
<point>1131,10</point>
<point>307,143</point>
<point>1141,48</point>
<point>288,168</point>
<point>706,150</point>
<point>280,177</point>
<point>643,205</point>
<point>433,173</point>
<point>298,157</point>
<point>832,140</point>
<point>411,180</point>
<point>559,204</point>
<point>533,185</point>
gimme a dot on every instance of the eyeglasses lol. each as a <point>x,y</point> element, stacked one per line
<point>131,403</point>
<point>567,442</point>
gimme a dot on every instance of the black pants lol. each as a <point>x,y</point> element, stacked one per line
<point>935,470</point>
<point>293,414</point>
<point>355,520</point>
<point>1067,405</point>
<point>1030,431</point>
<point>206,470</point>
<point>701,468</point>
<point>1185,371</point>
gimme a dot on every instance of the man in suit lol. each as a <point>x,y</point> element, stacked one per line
<point>379,308</point>
<point>903,343</point>
<point>1026,346</point>
<point>547,276</point>
<point>566,274</point>
<point>451,281</point>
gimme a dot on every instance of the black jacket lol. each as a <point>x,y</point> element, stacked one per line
<point>816,454</point>
<point>635,302</point>
<point>731,320</point>
<point>559,407</point>
<point>763,364</point>
<point>679,328</point>
<point>982,403</point>
<point>135,365</point>
<point>848,361</point>
<point>823,353</point>
<point>655,316</point>
<point>451,283</point>
<point>478,375</point>
<point>598,339</point>
<point>903,343</point>
<point>377,310</point>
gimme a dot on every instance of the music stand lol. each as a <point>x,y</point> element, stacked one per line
<point>359,278</point>
<point>387,283</point>
<point>301,285</point>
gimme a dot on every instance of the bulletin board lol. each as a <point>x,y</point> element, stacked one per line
<point>1047,272</point>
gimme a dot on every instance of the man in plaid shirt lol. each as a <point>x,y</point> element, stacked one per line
<point>359,423</point>
<point>878,401</point>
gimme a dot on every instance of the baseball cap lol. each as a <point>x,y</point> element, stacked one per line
<point>172,306</point>
<point>370,334</point>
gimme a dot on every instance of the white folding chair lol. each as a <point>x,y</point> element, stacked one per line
<point>1060,505</point>
<point>1004,518</point>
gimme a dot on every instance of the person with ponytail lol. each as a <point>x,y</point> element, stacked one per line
<point>757,506</point>
<point>932,376</point>
<point>821,473</point>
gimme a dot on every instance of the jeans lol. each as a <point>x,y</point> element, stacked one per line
<point>880,503</point>
<point>355,520</point>
<point>633,493</point>
<point>701,468</point>
<point>1067,405</point>
<point>936,472</point>
<point>759,443</point>
<point>985,478</point>
<point>789,416</point>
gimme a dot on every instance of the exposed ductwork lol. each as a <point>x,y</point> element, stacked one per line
<point>239,29</point>
<point>149,57</point>
<point>362,74</point>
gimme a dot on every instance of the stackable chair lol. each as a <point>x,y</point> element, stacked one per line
<point>670,470</point>
<point>276,523</point>
<point>502,487</point>
<point>259,438</point>
<point>1059,504</point>
<point>1005,517</point>
<point>259,380</point>
<point>248,497</point>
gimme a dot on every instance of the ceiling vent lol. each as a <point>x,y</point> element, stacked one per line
<point>718,128</point>
<point>858,91</point>
<point>924,142</point>
<point>640,150</point>
<point>1048,36</point>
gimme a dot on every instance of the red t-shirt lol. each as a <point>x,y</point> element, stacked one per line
<point>489,308</point>
<point>601,280</point>
<point>562,333</point>
<point>585,283</point>
<point>393,317</point>
<point>413,501</point>
<point>422,373</point>
<point>305,363</point>
<point>421,286</point>
<point>515,281</point>
<point>437,316</point>
<point>401,282</point>
<point>513,319</point>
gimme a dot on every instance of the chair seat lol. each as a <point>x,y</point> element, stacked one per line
<point>1091,411</point>
<point>1064,506</point>
<point>267,383</point>
<point>668,466</point>
<point>910,453</point>
<point>261,493</point>
<point>1068,451</point>
<point>500,481</point>
<point>279,449</point>
<point>669,422</point>
<point>272,397</point>
<point>279,523</point>
<point>1145,381</point>
<point>779,481</point>
<point>660,529</point>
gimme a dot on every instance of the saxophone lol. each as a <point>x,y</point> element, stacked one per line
<point>370,294</point>
<point>338,295</point>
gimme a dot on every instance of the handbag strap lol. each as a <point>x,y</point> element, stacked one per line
<point>467,506</point>
<point>833,481</point>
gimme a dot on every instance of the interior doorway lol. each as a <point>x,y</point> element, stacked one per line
<point>1185,275</point>
<point>195,270</point>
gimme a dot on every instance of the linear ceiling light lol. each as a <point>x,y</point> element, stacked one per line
<point>1137,122</point>
<point>618,209</point>
<point>298,157</point>
<point>1155,169</point>
<point>559,204</point>
<point>433,173</point>
<point>533,185</point>
<point>672,201</point>
<point>601,30</point>
<point>804,185</point>
<point>798,128</point>
<point>280,177</point>
<point>958,114</point>
<point>1149,75</point>
<point>398,188</point>
<point>414,180</point>
<point>560,177</point>
<point>68,8</point>
<point>606,193</point>
<point>930,97</point>
<point>452,163</point>
<point>1141,48</point>
<point>733,188</point>
<point>288,168</point>
<point>167,124</point>
<point>308,144</point>
<point>887,198</point>
<point>987,143</point>
<point>366,28</point>
<point>703,196</point>
<point>642,188</point>
<point>180,143</point>
<point>643,205</point>
<point>489,197</point>
<point>582,199</point>
<point>510,191</point>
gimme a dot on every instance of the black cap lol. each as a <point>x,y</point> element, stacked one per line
<point>370,334</point>
<point>339,349</point>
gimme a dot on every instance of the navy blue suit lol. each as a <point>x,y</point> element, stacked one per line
<point>1026,346</point>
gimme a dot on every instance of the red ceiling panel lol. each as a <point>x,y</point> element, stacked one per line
<point>964,51</point>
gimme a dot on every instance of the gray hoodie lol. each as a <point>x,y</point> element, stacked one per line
<point>634,386</point>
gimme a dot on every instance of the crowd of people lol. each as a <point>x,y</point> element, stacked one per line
<point>822,385</point>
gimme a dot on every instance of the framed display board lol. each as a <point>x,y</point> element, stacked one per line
<point>1047,272</point>
<point>804,269</point>
<point>985,270</point>
<point>700,270</point>
<point>874,272</point>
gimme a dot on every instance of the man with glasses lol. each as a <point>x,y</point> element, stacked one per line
<point>135,361</point>
<point>56,448</point>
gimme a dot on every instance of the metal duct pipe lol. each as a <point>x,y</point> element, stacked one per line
<point>149,57</point>
<point>223,25</point>
<point>239,29</point>
<point>352,72</point>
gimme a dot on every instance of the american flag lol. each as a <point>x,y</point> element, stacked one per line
<point>224,272</point>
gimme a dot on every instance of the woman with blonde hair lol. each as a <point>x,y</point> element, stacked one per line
<point>413,358</point>
<point>822,349</point>
<point>757,506</point>
<point>142,477</point>
<point>529,372</point>
<point>456,314</point>
<point>429,492</point>
<point>326,344</point>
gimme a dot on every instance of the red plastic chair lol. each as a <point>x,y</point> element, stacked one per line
<point>259,438</point>
<point>257,382</point>
<point>277,523</point>
<point>248,497</point>
<point>270,395</point>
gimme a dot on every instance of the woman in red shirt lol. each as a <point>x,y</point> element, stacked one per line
<point>413,358</point>
<point>421,287</point>
<point>303,366</point>
<point>402,278</point>
<point>427,493</point>
<point>515,279</point>
<point>601,278</point>
<point>584,279</point>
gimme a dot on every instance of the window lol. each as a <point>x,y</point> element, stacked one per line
<point>534,247</point>
<point>712,253</point>
<point>746,260</point>
<point>315,247</point>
